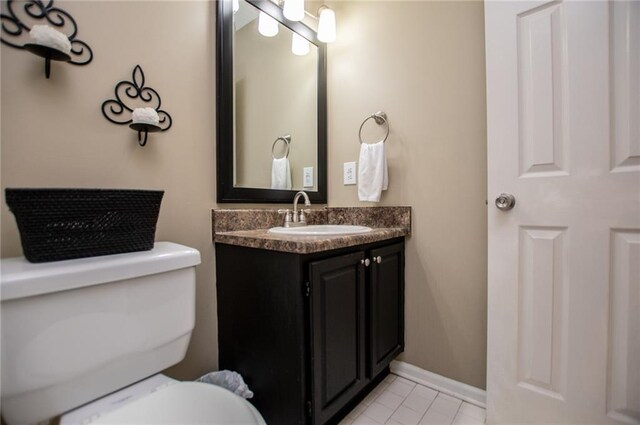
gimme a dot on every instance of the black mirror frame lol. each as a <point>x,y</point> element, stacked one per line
<point>226,192</point>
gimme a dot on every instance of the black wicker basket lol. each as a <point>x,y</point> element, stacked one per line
<point>61,224</point>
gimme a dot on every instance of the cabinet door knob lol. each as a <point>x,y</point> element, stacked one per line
<point>366,262</point>
<point>377,259</point>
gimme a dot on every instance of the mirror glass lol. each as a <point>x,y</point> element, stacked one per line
<point>275,111</point>
<point>271,105</point>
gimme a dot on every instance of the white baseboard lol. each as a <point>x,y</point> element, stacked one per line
<point>465,392</point>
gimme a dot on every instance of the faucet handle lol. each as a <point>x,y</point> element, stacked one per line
<point>287,217</point>
<point>303,214</point>
<point>303,217</point>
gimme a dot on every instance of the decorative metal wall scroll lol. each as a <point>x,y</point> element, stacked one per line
<point>20,16</point>
<point>125,93</point>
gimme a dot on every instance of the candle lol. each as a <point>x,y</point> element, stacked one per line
<point>50,37</point>
<point>145,116</point>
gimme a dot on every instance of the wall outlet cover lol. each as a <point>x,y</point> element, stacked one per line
<point>307,177</point>
<point>349,173</point>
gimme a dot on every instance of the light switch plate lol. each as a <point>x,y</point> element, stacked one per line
<point>307,177</point>
<point>349,173</point>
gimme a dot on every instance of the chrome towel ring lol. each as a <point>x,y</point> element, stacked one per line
<point>287,141</point>
<point>380,118</point>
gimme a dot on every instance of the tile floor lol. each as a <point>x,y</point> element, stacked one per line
<point>398,401</point>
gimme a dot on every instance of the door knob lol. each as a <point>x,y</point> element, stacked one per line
<point>377,259</point>
<point>505,201</point>
<point>366,262</point>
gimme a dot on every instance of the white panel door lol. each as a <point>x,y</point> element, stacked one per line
<point>563,96</point>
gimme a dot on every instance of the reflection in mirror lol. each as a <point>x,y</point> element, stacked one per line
<point>271,87</point>
<point>276,104</point>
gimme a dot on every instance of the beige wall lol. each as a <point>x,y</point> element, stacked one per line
<point>54,135</point>
<point>422,62</point>
<point>286,104</point>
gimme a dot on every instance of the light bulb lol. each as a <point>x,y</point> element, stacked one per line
<point>267,26</point>
<point>299,45</point>
<point>236,5</point>
<point>327,25</point>
<point>293,10</point>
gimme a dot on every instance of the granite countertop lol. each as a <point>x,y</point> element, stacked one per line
<point>304,244</point>
<point>250,228</point>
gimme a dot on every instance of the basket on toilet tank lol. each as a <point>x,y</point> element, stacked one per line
<point>61,224</point>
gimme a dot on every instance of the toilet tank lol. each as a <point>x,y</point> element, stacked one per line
<point>73,331</point>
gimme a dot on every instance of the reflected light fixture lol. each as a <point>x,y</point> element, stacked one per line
<point>293,10</point>
<point>267,26</point>
<point>236,5</point>
<point>299,45</point>
<point>326,25</point>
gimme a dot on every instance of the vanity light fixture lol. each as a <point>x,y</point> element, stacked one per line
<point>267,26</point>
<point>293,10</point>
<point>326,25</point>
<point>299,45</point>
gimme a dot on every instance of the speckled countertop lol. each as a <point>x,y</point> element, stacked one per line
<point>249,227</point>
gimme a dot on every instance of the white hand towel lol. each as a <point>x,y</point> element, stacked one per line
<point>372,172</point>
<point>281,174</point>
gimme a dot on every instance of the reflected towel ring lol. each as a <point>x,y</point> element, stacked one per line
<point>287,140</point>
<point>380,118</point>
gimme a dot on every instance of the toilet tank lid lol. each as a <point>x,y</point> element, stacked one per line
<point>20,278</point>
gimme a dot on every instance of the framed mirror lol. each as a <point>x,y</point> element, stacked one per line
<point>271,105</point>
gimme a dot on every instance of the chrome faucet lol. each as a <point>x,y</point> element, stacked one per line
<point>296,219</point>
<point>300,219</point>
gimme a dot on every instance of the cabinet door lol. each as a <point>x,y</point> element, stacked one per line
<point>386,306</point>
<point>337,318</point>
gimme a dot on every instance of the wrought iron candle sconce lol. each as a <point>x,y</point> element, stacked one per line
<point>15,24</point>
<point>114,109</point>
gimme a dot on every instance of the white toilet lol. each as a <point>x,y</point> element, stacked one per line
<point>74,331</point>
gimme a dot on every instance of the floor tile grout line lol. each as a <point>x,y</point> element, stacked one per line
<point>457,410</point>
<point>394,411</point>
<point>430,404</point>
<point>434,399</point>
<point>404,398</point>
<point>438,391</point>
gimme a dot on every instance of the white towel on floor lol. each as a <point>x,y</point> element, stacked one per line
<point>372,172</point>
<point>281,174</point>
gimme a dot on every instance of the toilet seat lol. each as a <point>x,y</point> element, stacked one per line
<point>185,403</point>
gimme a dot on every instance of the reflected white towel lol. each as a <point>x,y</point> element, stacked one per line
<point>280,174</point>
<point>372,172</point>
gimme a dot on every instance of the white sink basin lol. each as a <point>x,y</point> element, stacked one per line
<point>321,230</point>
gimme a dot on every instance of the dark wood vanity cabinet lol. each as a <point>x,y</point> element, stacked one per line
<point>338,329</point>
<point>309,332</point>
<point>386,306</point>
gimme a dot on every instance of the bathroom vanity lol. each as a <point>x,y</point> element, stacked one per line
<point>311,323</point>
